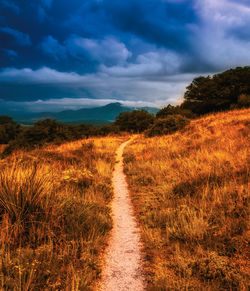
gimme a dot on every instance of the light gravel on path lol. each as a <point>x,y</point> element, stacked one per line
<point>123,267</point>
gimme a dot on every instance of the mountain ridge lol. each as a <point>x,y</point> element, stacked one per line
<point>95,115</point>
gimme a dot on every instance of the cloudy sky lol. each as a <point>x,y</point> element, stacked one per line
<point>61,54</point>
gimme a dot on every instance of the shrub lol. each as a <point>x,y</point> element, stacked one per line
<point>47,131</point>
<point>107,129</point>
<point>218,268</point>
<point>243,101</point>
<point>173,110</point>
<point>167,125</point>
<point>80,177</point>
<point>9,129</point>
<point>135,121</point>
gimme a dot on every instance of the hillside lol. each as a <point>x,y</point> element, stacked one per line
<point>190,191</point>
<point>55,215</point>
<point>96,116</point>
<point>190,196</point>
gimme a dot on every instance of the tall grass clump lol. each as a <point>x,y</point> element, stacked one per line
<point>23,192</point>
<point>26,199</point>
<point>190,191</point>
<point>55,215</point>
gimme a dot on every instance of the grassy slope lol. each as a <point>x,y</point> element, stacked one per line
<point>54,215</point>
<point>190,194</point>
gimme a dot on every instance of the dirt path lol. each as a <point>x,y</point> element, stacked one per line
<point>123,258</point>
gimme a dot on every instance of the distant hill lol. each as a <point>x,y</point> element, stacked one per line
<point>96,116</point>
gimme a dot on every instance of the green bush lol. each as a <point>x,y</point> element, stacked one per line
<point>167,125</point>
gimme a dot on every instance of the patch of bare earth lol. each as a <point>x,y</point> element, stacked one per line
<point>123,267</point>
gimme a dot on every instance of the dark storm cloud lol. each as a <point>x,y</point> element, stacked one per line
<point>10,5</point>
<point>47,3</point>
<point>132,51</point>
<point>53,48</point>
<point>19,37</point>
<point>160,22</point>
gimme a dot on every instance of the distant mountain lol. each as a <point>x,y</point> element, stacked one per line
<point>97,115</point>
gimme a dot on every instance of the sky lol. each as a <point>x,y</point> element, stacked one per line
<point>61,54</point>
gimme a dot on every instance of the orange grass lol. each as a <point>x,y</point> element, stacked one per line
<point>2,147</point>
<point>55,215</point>
<point>190,192</point>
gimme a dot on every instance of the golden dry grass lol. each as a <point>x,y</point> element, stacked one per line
<point>190,191</point>
<point>55,215</point>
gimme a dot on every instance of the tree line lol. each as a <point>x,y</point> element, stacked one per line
<point>46,131</point>
<point>223,91</point>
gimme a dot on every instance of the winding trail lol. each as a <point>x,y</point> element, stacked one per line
<point>123,268</point>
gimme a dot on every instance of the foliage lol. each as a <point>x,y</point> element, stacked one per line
<point>243,101</point>
<point>217,92</point>
<point>4,119</point>
<point>190,191</point>
<point>107,129</point>
<point>174,110</point>
<point>9,129</point>
<point>167,125</point>
<point>51,131</point>
<point>135,121</point>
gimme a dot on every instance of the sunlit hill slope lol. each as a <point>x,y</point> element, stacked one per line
<point>55,214</point>
<point>190,191</point>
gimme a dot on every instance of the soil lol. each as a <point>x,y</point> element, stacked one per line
<point>123,259</point>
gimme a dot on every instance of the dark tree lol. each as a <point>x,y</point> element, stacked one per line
<point>135,121</point>
<point>4,119</point>
<point>219,92</point>
<point>9,129</point>
<point>173,110</point>
<point>107,129</point>
<point>52,131</point>
<point>43,131</point>
<point>167,125</point>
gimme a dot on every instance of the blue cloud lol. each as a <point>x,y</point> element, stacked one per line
<point>20,38</point>
<point>41,13</point>
<point>10,5</point>
<point>159,22</point>
<point>47,3</point>
<point>108,50</point>
<point>53,48</point>
<point>11,53</point>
